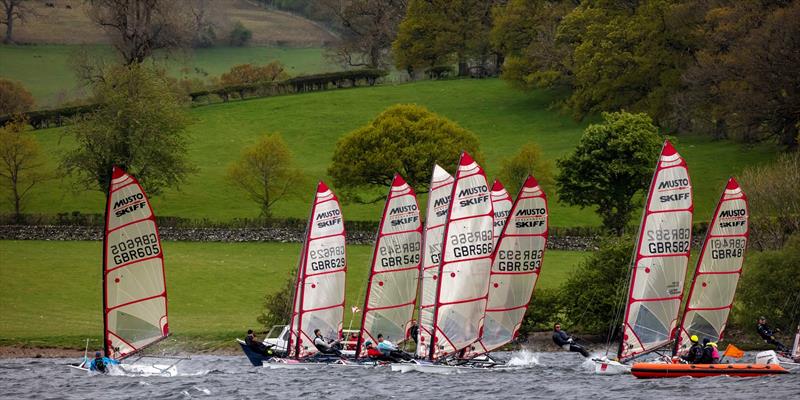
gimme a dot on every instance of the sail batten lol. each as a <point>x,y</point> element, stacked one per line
<point>435,217</point>
<point>134,280</point>
<point>466,262</point>
<point>718,269</point>
<point>516,264</point>
<point>392,285</point>
<point>320,285</point>
<point>660,259</point>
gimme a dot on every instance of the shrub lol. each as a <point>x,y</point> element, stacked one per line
<point>248,74</point>
<point>14,98</point>
<point>240,36</point>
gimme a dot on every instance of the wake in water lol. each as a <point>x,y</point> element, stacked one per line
<point>523,358</point>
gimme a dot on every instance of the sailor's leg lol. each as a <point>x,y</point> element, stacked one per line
<point>578,349</point>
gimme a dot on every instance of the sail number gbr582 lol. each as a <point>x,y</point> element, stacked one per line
<point>666,241</point>
<point>326,258</point>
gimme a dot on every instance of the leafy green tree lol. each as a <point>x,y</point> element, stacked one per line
<point>774,201</point>
<point>140,126</point>
<point>543,311</point>
<point>277,307</point>
<point>770,287</point>
<point>14,98</point>
<point>593,294</point>
<point>528,161</point>
<point>266,172</point>
<point>613,161</point>
<point>21,164</point>
<point>404,138</point>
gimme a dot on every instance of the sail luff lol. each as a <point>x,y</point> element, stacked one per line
<point>708,304</point>
<point>662,253</point>
<point>296,293</point>
<point>394,270</point>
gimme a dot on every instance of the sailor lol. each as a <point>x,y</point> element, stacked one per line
<point>710,352</point>
<point>391,351</point>
<point>563,340</point>
<point>766,333</point>
<point>413,331</point>
<point>98,364</point>
<point>695,353</point>
<point>324,346</point>
<point>374,353</point>
<point>255,344</point>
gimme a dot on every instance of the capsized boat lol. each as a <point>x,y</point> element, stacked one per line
<point>670,370</point>
<point>659,263</point>
<point>392,285</point>
<point>134,287</point>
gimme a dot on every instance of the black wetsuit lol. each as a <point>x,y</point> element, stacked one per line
<point>322,345</point>
<point>414,332</point>
<point>695,354</point>
<point>769,337</point>
<point>254,344</point>
<point>707,357</point>
<point>99,365</point>
<point>562,339</point>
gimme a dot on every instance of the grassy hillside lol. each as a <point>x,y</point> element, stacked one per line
<point>50,292</point>
<point>46,72</point>
<point>311,123</point>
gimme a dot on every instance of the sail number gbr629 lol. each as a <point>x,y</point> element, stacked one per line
<point>326,258</point>
<point>665,241</point>
<point>472,244</point>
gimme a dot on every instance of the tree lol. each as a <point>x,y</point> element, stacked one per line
<point>774,201</point>
<point>613,161</point>
<point>593,295</point>
<point>368,28</point>
<point>13,10</point>
<point>139,27</point>
<point>277,307</point>
<point>266,172</point>
<point>528,161</point>
<point>139,125</point>
<point>14,98</point>
<point>525,32</point>
<point>240,36</point>
<point>246,74</point>
<point>770,287</point>
<point>21,164</point>
<point>405,139</point>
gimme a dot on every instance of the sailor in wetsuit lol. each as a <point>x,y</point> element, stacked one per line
<point>324,346</point>
<point>101,364</point>
<point>766,333</point>
<point>256,345</point>
<point>563,340</point>
<point>695,353</point>
<point>391,351</point>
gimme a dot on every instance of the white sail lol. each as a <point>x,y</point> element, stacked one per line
<point>501,204</point>
<point>718,270</point>
<point>796,347</point>
<point>662,253</point>
<point>436,214</point>
<point>516,264</point>
<point>392,286</point>
<point>135,292</point>
<point>320,288</point>
<point>466,262</point>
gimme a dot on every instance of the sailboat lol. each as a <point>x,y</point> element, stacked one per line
<point>319,290</point>
<point>516,264</point>
<point>134,281</point>
<point>392,285</point>
<point>659,264</point>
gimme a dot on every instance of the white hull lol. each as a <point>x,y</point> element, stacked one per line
<point>770,357</point>
<point>134,370</point>
<point>604,366</point>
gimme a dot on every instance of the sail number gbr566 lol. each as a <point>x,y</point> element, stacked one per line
<point>472,244</point>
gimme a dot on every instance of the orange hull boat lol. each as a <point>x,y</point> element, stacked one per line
<point>656,370</point>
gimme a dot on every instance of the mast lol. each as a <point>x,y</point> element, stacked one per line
<point>718,269</point>
<point>395,267</point>
<point>106,342</point>
<point>296,295</point>
<point>662,254</point>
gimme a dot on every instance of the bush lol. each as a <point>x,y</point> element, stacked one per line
<point>774,201</point>
<point>770,287</point>
<point>277,306</point>
<point>592,296</point>
<point>240,36</point>
<point>248,74</point>
<point>14,98</point>
<point>529,161</point>
<point>543,311</point>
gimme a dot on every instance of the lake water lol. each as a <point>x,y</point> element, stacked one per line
<point>546,375</point>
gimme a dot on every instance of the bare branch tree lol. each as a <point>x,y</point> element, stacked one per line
<point>13,10</point>
<point>368,30</point>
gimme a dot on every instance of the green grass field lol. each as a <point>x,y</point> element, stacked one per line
<point>45,69</point>
<point>51,295</point>
<point>311,123</point>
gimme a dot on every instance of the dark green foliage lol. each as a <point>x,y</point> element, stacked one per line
<point>405,139</point>
<point>592,297</point>
<point>240,36</point>
<point>611,164</point>
<point>770,287</point>
<point>543,311</point>
<point>528,161</point>
<point>277,306</point>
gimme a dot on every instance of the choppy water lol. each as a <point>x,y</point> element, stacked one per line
<point>547,375</point>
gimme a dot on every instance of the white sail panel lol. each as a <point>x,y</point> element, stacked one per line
<point>392,285</point>
<point>718,269</point>
<point>466,263</point>
<point>501,204</point>
<point>662,253</point>
<point>516,265</point>
<point>320,288</point>
<point>135,301</point>
<point>436,214</point>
